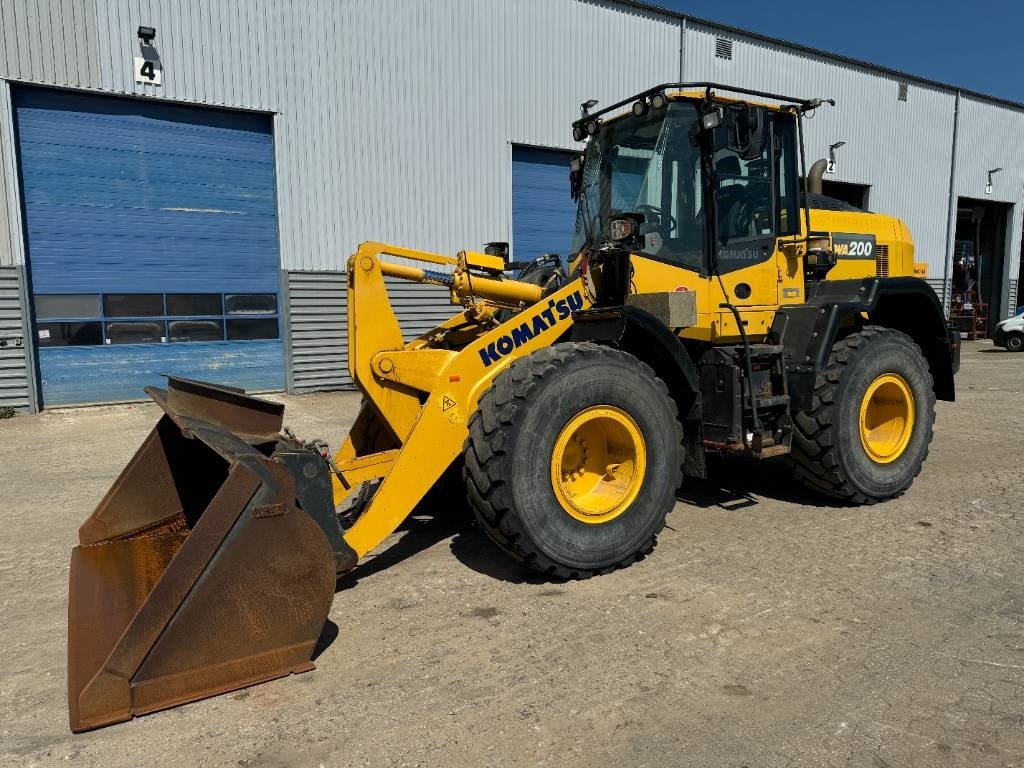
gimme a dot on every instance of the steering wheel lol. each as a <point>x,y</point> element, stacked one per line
<point>659,216</point>
<point>750,214</point>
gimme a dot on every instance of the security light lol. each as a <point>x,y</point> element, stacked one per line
<point>988,184</point>
<point>147,34</point>
<point>587,105</point>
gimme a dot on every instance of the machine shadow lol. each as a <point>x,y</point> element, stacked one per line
<point>421,530</point>
<point>327,637</point>
<point>734,483</point>
<point>473,549</point>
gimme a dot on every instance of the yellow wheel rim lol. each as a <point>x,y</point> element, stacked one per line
<point>886,418</point>
<point>598,464</point>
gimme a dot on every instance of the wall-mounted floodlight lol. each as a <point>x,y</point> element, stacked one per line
<point>586,106</point>
<point>988,184</point>
<point>147,35</point>
<point>831,167</point>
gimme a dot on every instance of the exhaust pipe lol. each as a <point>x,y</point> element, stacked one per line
<point>815,175</point>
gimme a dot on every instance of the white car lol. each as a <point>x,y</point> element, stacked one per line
<point>1010,332</point>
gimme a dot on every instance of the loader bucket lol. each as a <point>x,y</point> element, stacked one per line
<point>209,565</point>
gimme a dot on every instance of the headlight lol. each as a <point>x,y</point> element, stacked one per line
<point>621,229</point>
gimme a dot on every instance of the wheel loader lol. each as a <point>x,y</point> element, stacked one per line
<point>713,302</point>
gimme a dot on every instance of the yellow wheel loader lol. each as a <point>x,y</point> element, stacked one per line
<point>714,301</point>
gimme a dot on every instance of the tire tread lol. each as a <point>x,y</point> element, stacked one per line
<point>487,462</point>
<point>814,458</point>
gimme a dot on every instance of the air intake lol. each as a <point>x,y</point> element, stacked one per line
<point>882,261</point>
<point>902,90</point>
<point>723,48</point>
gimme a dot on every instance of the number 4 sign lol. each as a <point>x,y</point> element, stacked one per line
<point>148,71</point>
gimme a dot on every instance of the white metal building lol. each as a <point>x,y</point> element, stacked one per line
<point>200,225</point>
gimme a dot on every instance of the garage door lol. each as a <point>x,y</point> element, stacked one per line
<point>543,214</point>
<point>152,240</point>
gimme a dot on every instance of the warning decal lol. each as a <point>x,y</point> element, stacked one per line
<point>450,408</point>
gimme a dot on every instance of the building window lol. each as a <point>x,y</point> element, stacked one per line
<point>185,304</point>
<point>901,92</point>
<point>70,334</point>
<point>68,305</point>
<point>133,304</point>
<point>723,48</point>
<point>73,320</point>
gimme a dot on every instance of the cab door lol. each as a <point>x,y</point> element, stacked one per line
<point>756,204</point>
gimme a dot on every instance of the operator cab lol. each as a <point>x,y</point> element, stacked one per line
<point>710,182</point>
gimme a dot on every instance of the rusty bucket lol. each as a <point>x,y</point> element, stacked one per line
<point>209,565</point>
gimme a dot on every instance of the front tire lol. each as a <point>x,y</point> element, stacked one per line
<point>870,424</point>
<point>573,459</point>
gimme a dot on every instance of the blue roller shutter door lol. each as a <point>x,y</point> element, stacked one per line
<point>543,214</point>
<point>152,240</point>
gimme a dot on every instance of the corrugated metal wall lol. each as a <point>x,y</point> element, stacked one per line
<point>319,344</point>
<point>15,388</point>
<point>319,323</point>
<point>49,41</point>
<point>421,307</point>
<point>394,119</point>
<point>370,143</point>
<point>989,137</point>
<point>11,242</point>
<point>903,150</point>
<point>433,165</point>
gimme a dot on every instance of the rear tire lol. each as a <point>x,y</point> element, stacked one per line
<point>520,432</point>
<point>834,450</point>
<point>1015,342</point>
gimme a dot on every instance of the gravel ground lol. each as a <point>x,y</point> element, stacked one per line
<point>769,628</point>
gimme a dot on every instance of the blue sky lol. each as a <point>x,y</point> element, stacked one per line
<point>977,45</point>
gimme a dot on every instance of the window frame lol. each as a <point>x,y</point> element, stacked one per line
<point>223,317</point>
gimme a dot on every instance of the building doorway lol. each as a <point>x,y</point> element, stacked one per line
<point>979,290</point>
<point>854,194</point>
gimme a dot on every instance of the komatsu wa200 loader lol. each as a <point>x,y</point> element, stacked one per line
<point>713,302</point>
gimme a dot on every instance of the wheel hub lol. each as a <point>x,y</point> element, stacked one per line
<point>598,464</point>
<point>886,418</point>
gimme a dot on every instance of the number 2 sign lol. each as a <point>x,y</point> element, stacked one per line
<point>148,71</point>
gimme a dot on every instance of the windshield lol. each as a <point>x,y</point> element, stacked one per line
<point>648,165</point>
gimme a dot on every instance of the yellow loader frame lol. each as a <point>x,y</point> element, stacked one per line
<point>425,396</point>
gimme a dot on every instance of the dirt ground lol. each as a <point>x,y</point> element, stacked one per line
<point>769,628</point>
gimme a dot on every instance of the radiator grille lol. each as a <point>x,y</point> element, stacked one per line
<point>882,261</point>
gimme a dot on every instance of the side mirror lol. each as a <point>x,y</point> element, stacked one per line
<point>575,176</point>
<point>749,131</point>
